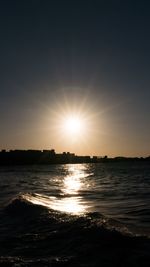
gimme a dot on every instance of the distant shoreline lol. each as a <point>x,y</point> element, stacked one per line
<point>45,157</point>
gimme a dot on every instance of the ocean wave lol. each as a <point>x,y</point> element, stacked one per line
<point>34,235</point>
<point>33,204</point>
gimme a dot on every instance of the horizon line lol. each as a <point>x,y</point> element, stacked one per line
<point>65,152</point>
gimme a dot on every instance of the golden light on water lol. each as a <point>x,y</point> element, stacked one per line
<point>69,200</point>
<point>68,204</point>
<point>73,182</point>
<point>71,186</point>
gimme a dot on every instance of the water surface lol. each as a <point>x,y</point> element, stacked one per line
<point>120,191</point>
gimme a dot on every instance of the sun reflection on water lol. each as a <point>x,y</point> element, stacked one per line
<point>73,182</point>
<point>69,200</point>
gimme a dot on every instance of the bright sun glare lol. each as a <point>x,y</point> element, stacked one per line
<point>73,125</point>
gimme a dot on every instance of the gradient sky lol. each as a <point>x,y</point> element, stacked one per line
<point>87,57</point>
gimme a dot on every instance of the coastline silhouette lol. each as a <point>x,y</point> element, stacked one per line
<point>22,157</point>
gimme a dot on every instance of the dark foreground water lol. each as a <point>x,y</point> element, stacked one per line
<point>75,215</point>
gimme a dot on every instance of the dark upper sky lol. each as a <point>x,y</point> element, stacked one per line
<point>95,54</point>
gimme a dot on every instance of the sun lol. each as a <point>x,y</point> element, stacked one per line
<point>73,125</point>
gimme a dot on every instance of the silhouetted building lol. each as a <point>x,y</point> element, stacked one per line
<point>20,157</point>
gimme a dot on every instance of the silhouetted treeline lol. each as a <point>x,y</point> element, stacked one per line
<point>22,157</point>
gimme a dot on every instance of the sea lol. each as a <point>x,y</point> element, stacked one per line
<point>87,215</point>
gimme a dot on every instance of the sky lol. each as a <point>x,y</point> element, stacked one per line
<point>86,58</point>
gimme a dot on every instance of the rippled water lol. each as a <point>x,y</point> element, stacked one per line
<point>87,215</point>
<point>119,191</point>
